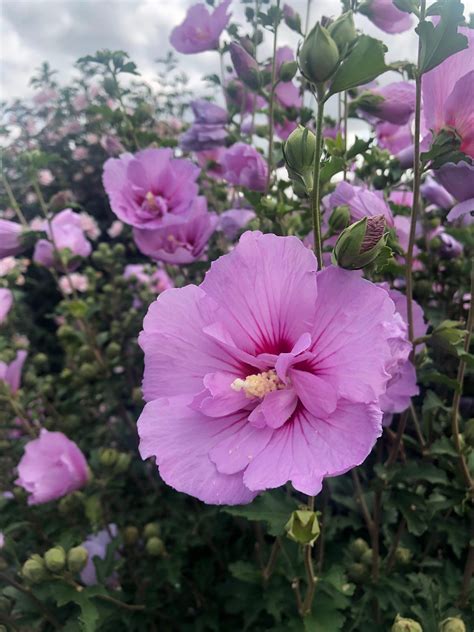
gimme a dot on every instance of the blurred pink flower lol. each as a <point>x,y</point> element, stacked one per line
<point>245,166</point>
<point>10,374</point>
<point>265,373</point>
<point>10,241</point>
<point>361,201</point>
<point>231,222</point>
<point>67,232</point>
<point>200,30</point>
<point>73,281</point>
<point>51,467</point>
<point>96,546</point>
<point>385,15</point>
<point>6,302</point>
<point>154,278</point>
<point>115,229</point>
<point>45,177</point>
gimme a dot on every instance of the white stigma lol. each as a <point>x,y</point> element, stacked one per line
<point>259,384</point>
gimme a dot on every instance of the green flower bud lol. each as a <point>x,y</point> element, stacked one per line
<point>299,151</point>
<point>55,559</point>
<point>71,504</point>
<point>123,463</point>
<point>130,535</point>
<point>108,457</point>
<point>77,559</point>
<point>452,624</point>
<point>343,31</point>
<point>287,71</point>
<point>360,244</point>
<point>402,555</point>
<point>34,569</point>
<point>405,625</point>
<point>292,19</point>
<point>358,548</point>
<point>113,350</point>
<point>151,529</point>
<point>303,526</point>
<point>40,360</point>
<point>155,547</point>
<point>319,56</point>
<point>469,432</point>
<point>339,219</point>
<point>88,370</point>
<point>357,572</point>
<point>367,558</point>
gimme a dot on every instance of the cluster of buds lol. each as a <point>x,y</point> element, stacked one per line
<point>324,48</point>
<point>361,243</point>
<point>55,561</point>
<point>118,462</point>
<point>405,625</point>
<point>154,545</point>
<point>362,556</point>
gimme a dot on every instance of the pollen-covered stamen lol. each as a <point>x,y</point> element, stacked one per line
<point>259,384</point>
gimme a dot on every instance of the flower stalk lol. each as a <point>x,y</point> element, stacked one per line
<point>316,191</point>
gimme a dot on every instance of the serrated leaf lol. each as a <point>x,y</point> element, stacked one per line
<point>364,63</point>
<point>272,508</point>
<point>443,40</point>
<point>331,167</point>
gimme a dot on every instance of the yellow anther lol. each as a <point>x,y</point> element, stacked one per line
<point>259,384</point>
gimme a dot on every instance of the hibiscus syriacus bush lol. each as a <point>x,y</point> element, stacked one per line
<point>235,328</point>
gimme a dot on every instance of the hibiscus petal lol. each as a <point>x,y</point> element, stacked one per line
<point>316,394</point>
<point>236,451</point>
<point>276,408</point>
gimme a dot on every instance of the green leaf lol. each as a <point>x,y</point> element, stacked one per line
<point>359,147</point>
<point>330,168</point>
<point>364,63</point>
<point>246,572</point>
<point>417,471</point>
<point>443,40</point>
<point>271,508</point>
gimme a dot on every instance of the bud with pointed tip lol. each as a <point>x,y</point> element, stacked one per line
<point>55,559</point>
<point>360,244</point>
<point>452,624</point>
<point>292,18</point>
<point>358,548</point>
<point>245,66</point>
<point>402,555</point>
<point>287,71</point>
<point>405,625</point>
<point>319,56</point>
<point>343,31</point>
<point>77,559</point>
<point>299,151</point>
<point>340,218</point>
<point>303,527</point>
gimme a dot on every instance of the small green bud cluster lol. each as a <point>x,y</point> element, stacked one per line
<point>405,625</point>
<point>323,49</point>
<point>55,561</point>
<point>154,544</point>
<point>118,462</point>
<point>452,624</point>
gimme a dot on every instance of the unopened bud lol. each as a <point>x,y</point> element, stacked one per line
<point>303,526</point>
<point>287,71</point>
<point>245,66</point>
<point>367,558</point>
<point>358,547</point>
<point>343,31</point>
<point>402,555</point>
<point>34,569</point>
<point>357,572</point>
<point>452,624</point>
<point>155,547</point>
<point>448,336</point>
<point>123,463</point>
<point>339,219</point>
<point>55,559</point>
<point>405,625</point>
<point>108,457</point>
<point>299,151</point>
<point>151,529</point>
<point>360,244</point>
<point>77,559</point>
<point>130,535</point>
<point>292,18</point>
<point>319,55</point>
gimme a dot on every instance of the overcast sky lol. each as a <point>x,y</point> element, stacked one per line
<point>60,31</point>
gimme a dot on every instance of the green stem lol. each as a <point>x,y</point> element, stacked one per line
<point>315,193</point>
<point>272,98</point>
<point>13,202</point>
<point>416,188</point>
<point>458,393</point>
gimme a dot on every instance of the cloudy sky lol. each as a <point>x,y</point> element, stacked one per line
<point>60,31</point>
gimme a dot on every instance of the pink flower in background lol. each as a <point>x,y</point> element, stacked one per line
<point>234,220</point>
<point>151,189</point>
<point>200,30</point>
<point>6,302</point>
<point>115,229</point>
<point>394,138</point>
<point>111,145</point>
<point>51,467</point>
<point>458,179</point>
<point>89,226</point>
<point>445,244</point>
<point>401,198</point>
<point>286,93</point>
<point>80,153</point>
<point>241,98</point>
<point>10,374</point>
<point>285,129</point>
<point>398,102</point>
<point>210,161</point>
<point>10,241</point>
<point>267,372</point>
<point>182,243</point>
<point>245,166</point>
<point>45,96</point>
<point>73,281</point>
<point>361,201</point>
<point>152,277</point>
<point>435,193</point>
<point>67,232</point>
<point>45,177</point>
<point>385,15</point>
<point>96,545</point>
